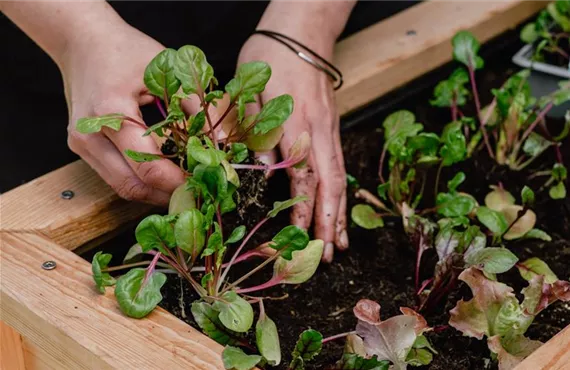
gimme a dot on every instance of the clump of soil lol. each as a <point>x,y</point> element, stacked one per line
<point>380,263</point>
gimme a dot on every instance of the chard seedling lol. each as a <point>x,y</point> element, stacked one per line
<point>495,312</point>
<point>513,126</point>
<point>190,240</point>
<point>411,152</point>
<point>549,32</point>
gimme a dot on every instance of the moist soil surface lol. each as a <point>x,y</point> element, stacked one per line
<point>380,263</point>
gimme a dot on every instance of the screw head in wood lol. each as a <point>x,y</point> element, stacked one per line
<point>67,194</point>
<point>49,265</point>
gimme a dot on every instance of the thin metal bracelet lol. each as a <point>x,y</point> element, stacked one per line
<point>308,56</point>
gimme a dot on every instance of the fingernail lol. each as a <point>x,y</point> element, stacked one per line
<point>328,253</point>
<point>343,240</point>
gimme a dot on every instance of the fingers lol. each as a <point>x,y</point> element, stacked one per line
<point>330,191</point>
<point>341,239</point>
<point>160,174</point>
<point>102,155</point>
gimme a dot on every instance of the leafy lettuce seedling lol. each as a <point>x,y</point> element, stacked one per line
<point>190,240</point>
<point>495,312</point>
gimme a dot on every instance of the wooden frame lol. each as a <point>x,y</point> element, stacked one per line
<point>54,319</point>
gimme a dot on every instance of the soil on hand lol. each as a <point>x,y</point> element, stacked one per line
<point>380,263</point>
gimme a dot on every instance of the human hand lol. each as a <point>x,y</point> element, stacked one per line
<point>323,179</point>
<point>103,74</point>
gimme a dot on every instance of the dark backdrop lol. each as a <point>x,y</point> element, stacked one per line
<point>33,114</point>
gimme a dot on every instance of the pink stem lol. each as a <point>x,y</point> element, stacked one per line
<point>381,165</point>
<point>536,121</point>
<point>424,286</point>
<point>267,167</point>
<point>268,284</point>
<point>150,268</point>
<point>478,107</point>
<point>338,336</point>
<point>160,107</point>
<point>243,243</point>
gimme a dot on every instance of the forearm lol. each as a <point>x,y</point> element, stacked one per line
<point>57,26</point>
<point>315,23</point>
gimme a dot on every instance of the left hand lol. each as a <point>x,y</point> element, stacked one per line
<point>323,179</point>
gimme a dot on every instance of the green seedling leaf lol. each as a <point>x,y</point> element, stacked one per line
<point>492,260</point>
<point>535,266</point>
<point>527,196</point>
<point>134,251</point>
<point>399,126</point>
<point>267,340</point>
<point>281,206</point>
<point>426,143</point>
<point>207,319</point>
<point>364,216</point>
<point>352,361</point>
<point>302,266</point>
<point>238,152</point>
<point>215,242</point>
<point>535,144</point>
<point>155,232</point>
<point>465,49</point>
<point>511,351</point>
<point>308,346</point>
<point>250,79</point>
<point>206,279</point>
<point>189,232</point>
<point>558,191</point>
<point>237,234</point>
<point>235,359</point>
<point>529,34</point>
<point>102,279</point>
<point>141,157</point>
<point>181,200</point>
<point>452,91</point>
<point>455,205</point>
<point>559,17</point>
<point>213,95</point>
<point>196,123</point>
<point>264,143</point>
<point>192,69</point>
<point>207,156</point>
<point>139,293</point>
<point>231,174</point>
<point>457,180</point>
<point>447,241</point>
<point>235,312</point>
<point>352,181</point>
<point>159,75</point>
<point>419,357</point>
<point>273,114</point>
<point>212,181</point>
<point>291,238</point>
<point>538,234</point>
<point>454,148</point>
<point>493,220</point>
<point>382,190</point>
<point>90,125</point>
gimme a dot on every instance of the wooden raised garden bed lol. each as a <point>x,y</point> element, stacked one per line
<point>55,318</point>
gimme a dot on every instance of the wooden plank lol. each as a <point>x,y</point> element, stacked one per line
<point>553,355</point>
<point>60,312</point>
<point>94,210</point>
<point>11,349</point>
<point>386,55</point>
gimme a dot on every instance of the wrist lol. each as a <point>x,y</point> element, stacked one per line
<point>313,23</point>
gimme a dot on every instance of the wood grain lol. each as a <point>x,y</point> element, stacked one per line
<point>11,349</point>
<point>553,355</point>
<point>94,210</point>
<point>73,327</point>
<point>386,55</point>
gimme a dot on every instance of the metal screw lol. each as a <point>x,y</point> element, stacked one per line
<point>410,32</point>
<point>49,265</point>
<point>67,194</point>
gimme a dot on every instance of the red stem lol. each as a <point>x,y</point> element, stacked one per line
<point>160,107</point>
<point>338,336</point>
<point>478,107</point>
<point>268,284</point>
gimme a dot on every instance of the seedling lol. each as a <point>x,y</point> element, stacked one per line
<point>550,32</point>
<point>496,313</point>
<point>411,153</point>
<point>190,240</point>
<point>512,127</point>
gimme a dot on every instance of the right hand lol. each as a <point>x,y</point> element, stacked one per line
<point>104,74</point>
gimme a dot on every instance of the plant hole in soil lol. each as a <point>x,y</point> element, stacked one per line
<point>379,265</point>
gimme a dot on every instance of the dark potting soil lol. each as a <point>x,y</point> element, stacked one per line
<point>380,263</point>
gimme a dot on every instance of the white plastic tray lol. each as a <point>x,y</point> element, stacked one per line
<point>523,59</point>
